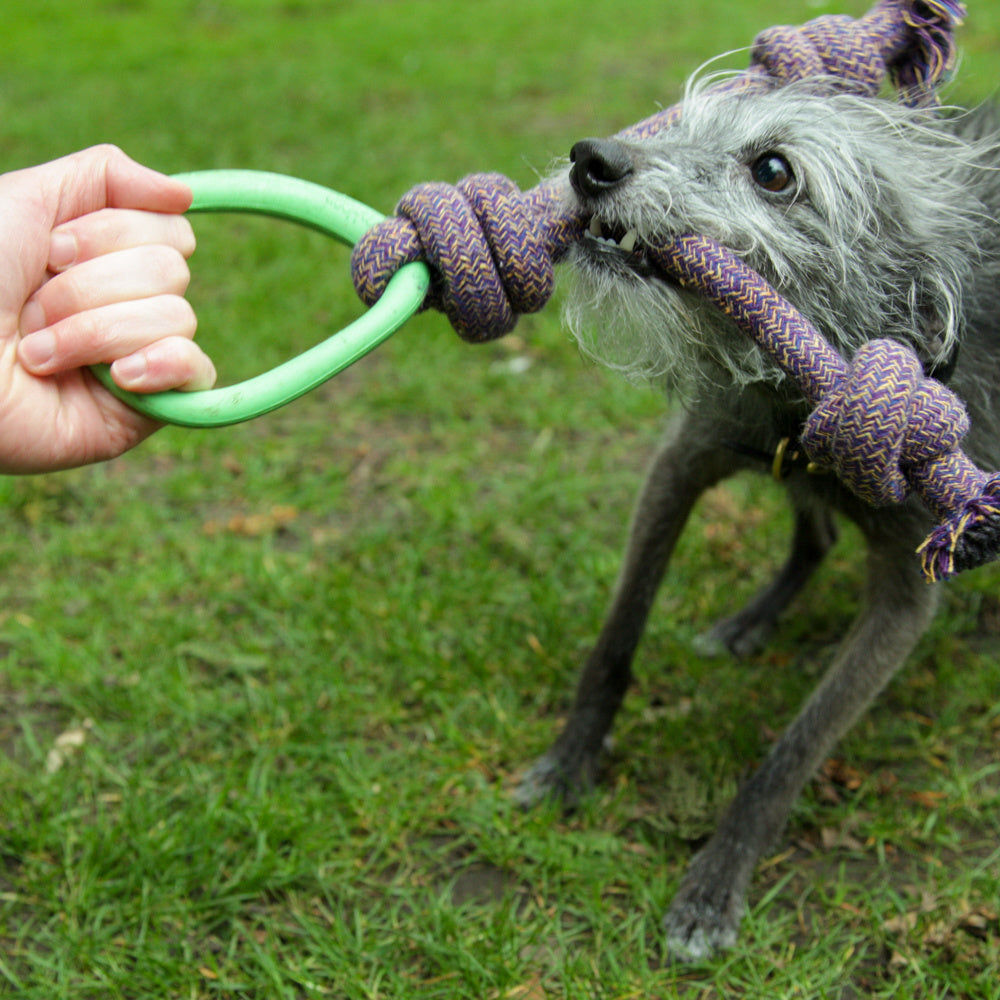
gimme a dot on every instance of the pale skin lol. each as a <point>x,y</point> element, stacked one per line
<point>93,268</point>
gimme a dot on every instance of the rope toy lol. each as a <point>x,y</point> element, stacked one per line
<point>877,422</point>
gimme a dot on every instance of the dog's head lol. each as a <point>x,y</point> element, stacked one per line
<point>861,212</point>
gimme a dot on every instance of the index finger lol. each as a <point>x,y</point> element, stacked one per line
<point>111,229</point>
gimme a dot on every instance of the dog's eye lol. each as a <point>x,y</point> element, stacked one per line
<point>772,172</point>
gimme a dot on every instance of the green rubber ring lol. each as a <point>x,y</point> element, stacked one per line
<point>320,208</point>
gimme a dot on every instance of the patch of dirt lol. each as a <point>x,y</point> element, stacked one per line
<point>482,884</point>
<point>45,715</point>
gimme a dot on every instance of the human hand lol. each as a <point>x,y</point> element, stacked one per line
<point>93,268</point>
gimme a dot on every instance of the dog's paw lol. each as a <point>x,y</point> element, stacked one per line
<point>697,927</point>
<point>551,778</point>
<point>733,637</point>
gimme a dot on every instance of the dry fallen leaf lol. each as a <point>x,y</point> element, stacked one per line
<point>898,962</point>
<point>981,922</point>
<point>253,525</point>
<point>531,990</point>
<point>831,837</point>
<point>66,745</point>
<point>841,773</point>
<point>929,800</point>
<point>901,924</point>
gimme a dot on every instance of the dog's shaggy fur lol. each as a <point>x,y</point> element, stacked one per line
<point>875,220</point>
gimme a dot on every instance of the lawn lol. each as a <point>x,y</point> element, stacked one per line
<point>266,688</point>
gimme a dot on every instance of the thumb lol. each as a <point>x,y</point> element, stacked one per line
<point>104,177</point>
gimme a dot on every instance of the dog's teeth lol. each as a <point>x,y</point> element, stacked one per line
<point>595,227</point>
<point>627,242</point>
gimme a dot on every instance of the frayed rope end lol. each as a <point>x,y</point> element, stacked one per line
<point>932,57</point>
<point>968,540</point>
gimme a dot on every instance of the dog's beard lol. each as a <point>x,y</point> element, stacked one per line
<point>648,328</point>
<point>892,220</point>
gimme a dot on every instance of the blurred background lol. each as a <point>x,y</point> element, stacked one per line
<point>264,688</point>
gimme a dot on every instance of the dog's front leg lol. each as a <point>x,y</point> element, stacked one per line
<point>706,912</point>
<point>687,463</point>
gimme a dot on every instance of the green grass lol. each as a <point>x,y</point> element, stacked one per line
<point>306,657</point>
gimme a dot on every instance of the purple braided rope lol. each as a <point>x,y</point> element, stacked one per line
<point>872,418</point>
<point>877,422</point>
<point>491,249</point>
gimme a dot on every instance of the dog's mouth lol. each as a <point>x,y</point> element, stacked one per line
<point>613,244</point>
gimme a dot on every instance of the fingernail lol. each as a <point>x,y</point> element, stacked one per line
<point>37,350</point>
<point>62,251</point>
<point>129,370</point>
<point>32,317</point>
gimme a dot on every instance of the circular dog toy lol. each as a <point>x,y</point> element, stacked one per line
<point>320,208</point>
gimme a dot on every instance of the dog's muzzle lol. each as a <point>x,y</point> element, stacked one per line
<point>599,166</point>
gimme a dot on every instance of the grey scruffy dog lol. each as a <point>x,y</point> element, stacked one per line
<point>874,220</point>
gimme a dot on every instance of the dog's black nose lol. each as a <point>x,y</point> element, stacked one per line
<point>598,165</point>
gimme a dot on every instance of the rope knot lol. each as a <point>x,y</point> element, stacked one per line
<point>909,41</point>
<point>830,46</point>
<point>485,247</point>
<point>883,422</point>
